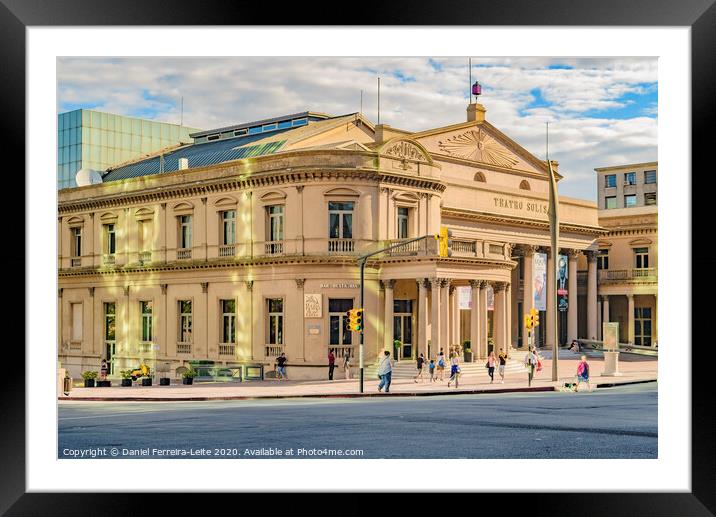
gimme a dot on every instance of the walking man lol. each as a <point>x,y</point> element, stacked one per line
<point>281,366</point>
<point>385,371</point>
<point>502,357</point>
<point>347,364</point>
<point>331,364</point>
<point>441,365</point>
<point>530,363</point>
<point>421,362</point>
<point>454,368</point>
<point>583,373</point>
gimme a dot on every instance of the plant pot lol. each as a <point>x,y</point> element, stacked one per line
<point>468,357</point>
<point>89,383</point>
<point>187,380</point>
<point>127,383</point>
<point>147,382</point>
<point>104,384</point>
<point>164,381</point>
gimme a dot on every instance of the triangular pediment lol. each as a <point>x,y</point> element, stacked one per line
<point>480,143</point>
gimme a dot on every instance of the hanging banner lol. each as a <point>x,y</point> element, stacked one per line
<point>562,278</point>
<point>539,280</point>
<point>464,297</point>
<point>490,298</point>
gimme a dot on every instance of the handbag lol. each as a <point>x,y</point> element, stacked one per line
<point>487,364</point>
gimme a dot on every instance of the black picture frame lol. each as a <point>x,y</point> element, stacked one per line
<point>699,15</point>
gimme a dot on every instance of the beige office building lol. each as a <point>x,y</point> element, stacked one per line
<point>243,245</point>
<point>627,256</point>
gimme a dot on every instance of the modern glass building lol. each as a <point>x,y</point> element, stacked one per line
<point>97,140</point>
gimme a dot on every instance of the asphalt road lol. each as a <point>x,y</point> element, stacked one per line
<point>607,423</point>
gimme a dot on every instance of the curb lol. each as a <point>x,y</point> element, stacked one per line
<point>341,395</point>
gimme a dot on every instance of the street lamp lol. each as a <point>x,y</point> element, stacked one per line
<point>554,237</point>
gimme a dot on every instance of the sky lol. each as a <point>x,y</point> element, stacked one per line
<point>601,112</point>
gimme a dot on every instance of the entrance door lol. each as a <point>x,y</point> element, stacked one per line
<point>110,351</point>
<point>403,327</point>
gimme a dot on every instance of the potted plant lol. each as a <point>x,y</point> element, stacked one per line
<point>126,378</point>
<point>89,378</point>
<point>188,376</point>
<point>146,380</point>
<point>104,384</point>
<point>467,351</point>
<point>396,345</point>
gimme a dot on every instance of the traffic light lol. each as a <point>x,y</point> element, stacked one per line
<point>528,322</point>
<point>355,320</point>
<point>531,319</point>
<point>445,242</point>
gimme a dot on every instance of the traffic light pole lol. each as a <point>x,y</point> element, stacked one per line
<point>361,262</point>
<point>554,238</point>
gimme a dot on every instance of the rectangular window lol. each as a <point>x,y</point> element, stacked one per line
<point>146,308</point>
<point>274,308</point>
<point>340,219</point>
<point>228,321</point>
<point>228,227</point>
<point>110,239</point>
<point>603,259</point>
<point>610,202</point>
<point>610,180</point>
<point>649,177</point>
<point>403,217</point>
<point>650,198</point>
<point>630,178</point>
<point>77,242</point>
<point>185,231</point>
<point>76,322</point>
<point>110,314</point>
<point>275,223</point>
<point>642,326</point>
<point>338,321</point>
<point>630,201</point>
<point>185,320</point>
<point>641,256</point>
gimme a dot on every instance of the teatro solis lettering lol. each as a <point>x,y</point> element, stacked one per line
<point>517,204</point>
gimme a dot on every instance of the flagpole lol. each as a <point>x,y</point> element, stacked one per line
<point>554,237</point>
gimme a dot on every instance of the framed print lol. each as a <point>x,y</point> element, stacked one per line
<point>209,220</point>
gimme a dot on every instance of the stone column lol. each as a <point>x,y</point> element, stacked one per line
<point>484,329</point>
<point>551,301</point>
<point>444,315</point>
<point>475,318</point>
<point>422,328</point>
<point>605,309</point>
<point>630,319</point>
<point>435,315</point>
<point>499,316</point>
<point>655,323</point>
<point>162,229</point>
<point>300,238</point>
<point>591,295</point>
<point>452,295</point>
<point>300,283</point>
<point>573,309</point>
<point>508,316</point>
<point>388,322</point>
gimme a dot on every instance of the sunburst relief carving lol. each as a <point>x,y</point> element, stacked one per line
<point>478,146</point>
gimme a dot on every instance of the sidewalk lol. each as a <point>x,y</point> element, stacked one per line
<point>632,372</point>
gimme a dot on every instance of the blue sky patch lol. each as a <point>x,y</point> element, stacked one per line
<point>634,104</point>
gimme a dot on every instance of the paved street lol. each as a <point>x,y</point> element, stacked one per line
<point>607,423</point>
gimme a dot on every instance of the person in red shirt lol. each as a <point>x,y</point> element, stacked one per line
<point>331,364</point>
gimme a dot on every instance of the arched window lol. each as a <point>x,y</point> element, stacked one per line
<point>480,177</point>
<point>524,185</point>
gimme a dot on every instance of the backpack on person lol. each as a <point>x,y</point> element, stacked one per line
<point>441,363</point>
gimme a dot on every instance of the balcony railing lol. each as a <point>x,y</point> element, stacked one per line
<point>273,248</point>
<point>227,250</point>
<point>145,348</point>
<point>145,257</point>
<point>464,247</point>
<point>273,350</point>
<point>341,246</point>
<point>183,348</point>
<point>75,345</point>
<point>184,254</point>
<point>409,249</point>
<point>75,261</point>
<point>637,274</point>
<point>109,260</point>
<point>227,349</point>
<point>340,350</point>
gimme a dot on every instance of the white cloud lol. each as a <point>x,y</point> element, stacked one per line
<point>224,91</point>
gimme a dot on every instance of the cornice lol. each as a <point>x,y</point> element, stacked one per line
<point>474,215</point>
<point>236,182</point>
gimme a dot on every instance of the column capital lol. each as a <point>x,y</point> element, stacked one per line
<point>203,201</point>
<point>484,284</point>
<point>300,282</point>
<point>444,282</point>
<point>164,288</point>
<point>630,296</point>
<point>475,283</point>
<point>249,285</point>
<point>499,286</point>
<point>434,282</point>
<point>591,255</point>
<point>91,291</point>
<point>451,289</point>
<point>299,188</point>
<point>573,253</point>
<point>526,249</point>
<point>604,297</point>
<point>389,284</point>
<point>205,287</point>
<point>422,282</point>
<point>59,292</point>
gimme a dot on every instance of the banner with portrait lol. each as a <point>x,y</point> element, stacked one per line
<point>562,283</point>
<point>539,280</point>
<point>464,297</point>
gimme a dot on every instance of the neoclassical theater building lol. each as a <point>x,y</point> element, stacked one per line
<point>243,245</point>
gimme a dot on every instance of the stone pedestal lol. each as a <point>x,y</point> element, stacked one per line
<point>611,364</point>
<point>60,381</point>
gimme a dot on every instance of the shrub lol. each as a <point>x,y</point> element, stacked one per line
<point>89,375</point>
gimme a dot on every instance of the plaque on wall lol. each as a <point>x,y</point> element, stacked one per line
<point>314,329</point>
<point>312,306</point>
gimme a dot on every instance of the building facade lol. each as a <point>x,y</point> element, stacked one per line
<point>89,139</point>
<point>236,249</point>
<point>628,254</point>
